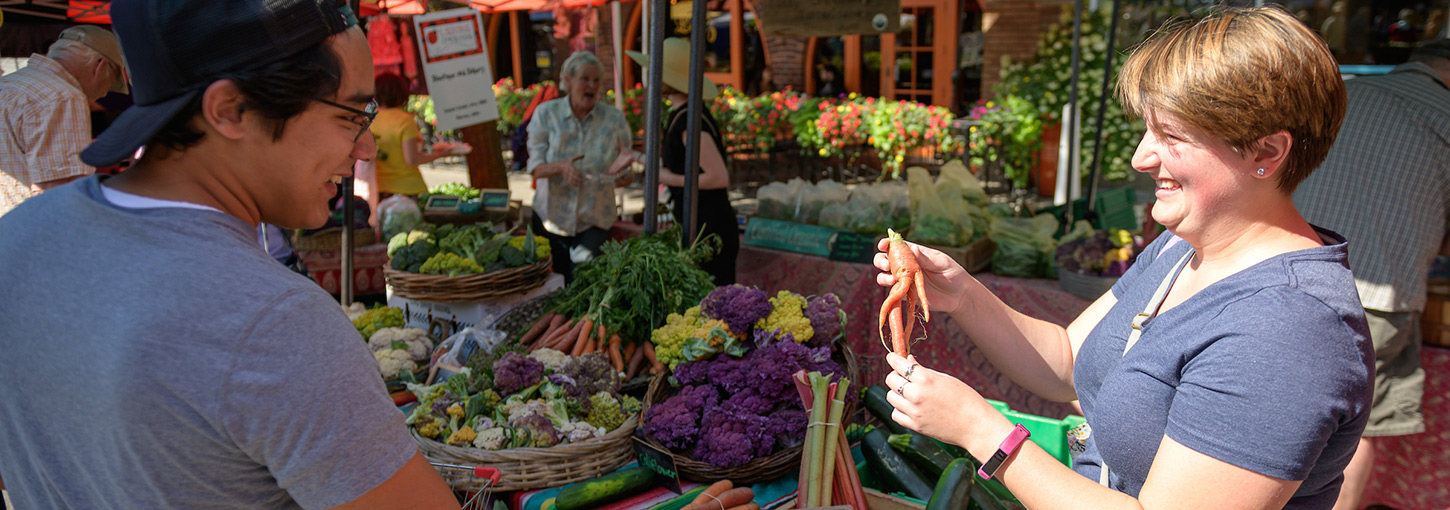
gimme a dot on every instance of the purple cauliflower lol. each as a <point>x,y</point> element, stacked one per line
<point>514,372</point>
<point>740,307</point>
<point>787,426</point>
<point>541,431</point>
<point>591,373</point>
<point>824,311</point>
<point>751,401</point>
<point>675,422</point>
<point>731,436</point>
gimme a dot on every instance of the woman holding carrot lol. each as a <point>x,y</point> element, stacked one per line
<point>1231,366</point>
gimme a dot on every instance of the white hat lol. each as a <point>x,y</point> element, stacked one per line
<point>675,63</point>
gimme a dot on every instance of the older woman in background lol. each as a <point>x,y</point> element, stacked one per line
<point>573,143</point>
<point>1231,367</point>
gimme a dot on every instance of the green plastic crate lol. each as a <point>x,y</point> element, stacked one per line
<point>1114,208</point>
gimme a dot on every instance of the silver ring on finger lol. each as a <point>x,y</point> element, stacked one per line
<point>899,388</point>
<point>909,370</point>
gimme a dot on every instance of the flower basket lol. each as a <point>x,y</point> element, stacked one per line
<point>539,468</point>
<point>1085,286</point>
<point>765,468</point>
<point>330,239</point>
<point>470,287</point>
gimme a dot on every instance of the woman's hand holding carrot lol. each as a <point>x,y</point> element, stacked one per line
<point>944,279</point>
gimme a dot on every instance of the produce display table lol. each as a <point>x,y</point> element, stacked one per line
<point>1411,472</point>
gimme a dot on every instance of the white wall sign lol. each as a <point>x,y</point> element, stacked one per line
<point>455,63</point>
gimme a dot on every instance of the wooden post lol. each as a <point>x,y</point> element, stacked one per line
<point>518,59</point>
<point>852,63</point>
<point>485,163</point>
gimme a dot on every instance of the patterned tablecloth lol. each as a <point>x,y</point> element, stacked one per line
<point>1411,473</point>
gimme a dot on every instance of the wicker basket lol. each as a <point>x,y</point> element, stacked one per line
<point>330,239</point>
<point>538,468</point>
<point>762,469</point>
<point>471,287</point>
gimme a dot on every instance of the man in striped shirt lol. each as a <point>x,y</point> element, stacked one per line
<point>1386,187</point>
<point>45,111</point>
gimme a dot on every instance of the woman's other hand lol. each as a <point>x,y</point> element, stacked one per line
<point>945,278</point>
<point>943,407</point>
<point>563,169</point>
<point>620,169</point>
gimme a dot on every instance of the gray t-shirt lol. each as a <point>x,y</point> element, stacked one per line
<point>1268,370</point>
<point>158,358</point>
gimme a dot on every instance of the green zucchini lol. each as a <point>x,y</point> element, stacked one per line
<point>681,501</point>
<point>605,489</point>
<point>891,468</point>
<point>954,487</point>
<point>878,406</point>
<point>922,451</point>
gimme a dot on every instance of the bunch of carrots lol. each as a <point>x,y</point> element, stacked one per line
<point>577,337</point>
<point>723,495</point>
<point>899,309</point>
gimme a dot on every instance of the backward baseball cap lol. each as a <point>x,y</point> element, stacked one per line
<point>176,48</point>
<point>103,42</point>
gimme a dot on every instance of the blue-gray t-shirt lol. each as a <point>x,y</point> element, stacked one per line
<point>1269,369</point>
<point>158,358</point>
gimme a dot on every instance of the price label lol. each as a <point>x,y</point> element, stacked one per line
<point>659,461</point>
<point>852,247</point>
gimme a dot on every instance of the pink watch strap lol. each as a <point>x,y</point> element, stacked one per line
<point>1007,448</point>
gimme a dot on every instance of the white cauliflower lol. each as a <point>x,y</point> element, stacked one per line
<point>491,439</point>
<point>355,310</point>
<point>552,359</point>
<point>392,361</point>
<point>530,408</point>
<point>576,431</point>
<point>416,340</point>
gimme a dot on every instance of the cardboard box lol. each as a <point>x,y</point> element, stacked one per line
<point>325,267</point>
<point>464,314</point>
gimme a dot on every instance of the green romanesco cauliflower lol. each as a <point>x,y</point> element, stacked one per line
<point>433,429</point>
<point>670,338</point>
<point>788,316</point>
<point>541,245</point>
<point>605,411</point>
<point>630,404</point>
<point>494,438</point>
<point>462,437</point>
<point>378,318</point>
<point>450,264</point>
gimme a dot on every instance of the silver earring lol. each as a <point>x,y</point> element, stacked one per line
<point>1261,172</point>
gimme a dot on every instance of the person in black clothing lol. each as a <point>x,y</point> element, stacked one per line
<point>714,214</point>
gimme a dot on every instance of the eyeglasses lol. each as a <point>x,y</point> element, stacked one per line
<point>363,118</point>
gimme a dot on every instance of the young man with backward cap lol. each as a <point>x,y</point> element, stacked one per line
<point>193,371</point>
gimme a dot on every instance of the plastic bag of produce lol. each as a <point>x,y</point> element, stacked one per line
<point>836,215</point>
<point>972,190</point>
<point>938,213</point>
<point>1024,246</point>
<point>866,212</point>
<point>777,200</point>
<point>399,213</point>
<point>816,197</point>
<point>897,204</point>
<point>452,354</point>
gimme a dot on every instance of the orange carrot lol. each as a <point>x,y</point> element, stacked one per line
<point>616,353</point>
<point>636,360</point>
<point>601,337</point>
<point>538,327</point>
<point>583,340</point>
<point>901,304</point>
<point>561,338</point>
<point>628,352</point>
<point>649,353</point>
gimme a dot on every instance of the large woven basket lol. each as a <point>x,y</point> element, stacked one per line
<point>766,468</point>
<point>471,287</point>
<point>330,239</point>
<point>538,468</point>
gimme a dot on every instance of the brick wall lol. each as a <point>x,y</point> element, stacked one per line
<point>787,58</point>
<point>1019,25</point>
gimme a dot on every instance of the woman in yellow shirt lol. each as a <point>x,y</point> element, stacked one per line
<point>400,147</point>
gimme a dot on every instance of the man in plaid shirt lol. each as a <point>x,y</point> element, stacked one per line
<point>1386,187</point>
<point>45,117</point>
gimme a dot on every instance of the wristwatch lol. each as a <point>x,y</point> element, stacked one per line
<point>1006,449</point>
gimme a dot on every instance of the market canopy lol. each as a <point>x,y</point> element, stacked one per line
<point>99,11</point>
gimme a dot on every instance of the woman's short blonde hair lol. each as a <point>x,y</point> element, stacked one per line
<point>1241,75</point>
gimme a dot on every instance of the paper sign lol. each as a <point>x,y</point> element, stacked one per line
<point>659,461</point>
<point>455,63</point>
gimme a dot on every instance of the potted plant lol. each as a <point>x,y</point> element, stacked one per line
<point>1007,134</point>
